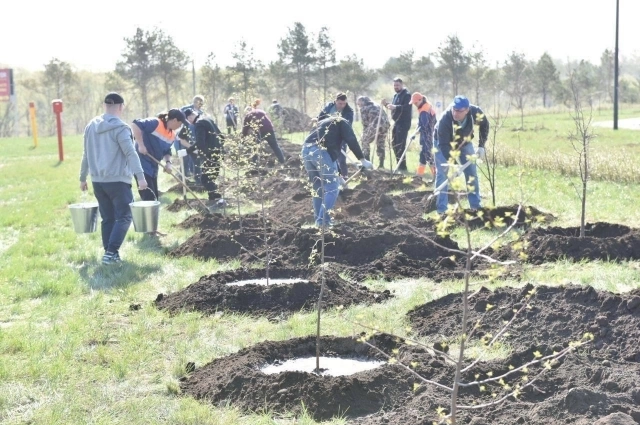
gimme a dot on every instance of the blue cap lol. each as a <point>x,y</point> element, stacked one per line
<point>460,102</point>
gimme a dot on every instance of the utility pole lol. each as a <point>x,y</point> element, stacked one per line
<point>616,71</point>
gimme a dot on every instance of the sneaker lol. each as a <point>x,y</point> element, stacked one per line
<point>111,258</point>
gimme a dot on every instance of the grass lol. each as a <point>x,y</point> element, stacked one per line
<point>72,351</point>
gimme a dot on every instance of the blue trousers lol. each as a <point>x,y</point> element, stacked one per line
<point>113,202</point>
<point>470,173</point>
<point>323,175</point>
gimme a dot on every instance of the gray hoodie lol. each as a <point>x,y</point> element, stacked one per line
<point>109,154</point>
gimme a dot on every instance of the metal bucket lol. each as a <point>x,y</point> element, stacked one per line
<point>145,215</point>
<point>84,217</point>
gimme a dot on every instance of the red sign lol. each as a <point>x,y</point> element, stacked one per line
<point>5,82</point>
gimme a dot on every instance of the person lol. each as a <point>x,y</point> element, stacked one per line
<point>455,131</point>
<point>426,125</point>
<point>340,107</point>
<point>275,109</point>
<point>231,115</point>
<point>401,116</point>
<point>187,137</point>
<point>375,126</point>
<point>320,152</point>
<point>154,137</point>
<point>208,143</point>
<point>258,126</point>
<point>111,160</point>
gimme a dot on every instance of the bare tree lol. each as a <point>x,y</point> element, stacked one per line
<point>580,140</point>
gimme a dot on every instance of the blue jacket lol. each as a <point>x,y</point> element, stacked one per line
<point>330,109</point>
<point>158,140</point>
<point>446,136</point>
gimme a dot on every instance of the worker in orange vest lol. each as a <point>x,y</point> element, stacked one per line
<point>426,124</point>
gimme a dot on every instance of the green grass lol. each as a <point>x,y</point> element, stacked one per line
<point>71,350</point>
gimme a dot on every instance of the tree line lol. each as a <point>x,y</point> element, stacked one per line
<point>155,74</point>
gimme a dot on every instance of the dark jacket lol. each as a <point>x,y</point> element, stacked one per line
<point>331,133</point>
<point>257,120</point>
<point>158,139</point>
<point>402,114</point>
<point>446,136</point>
<point>209,139</point>
<point>347,112</point>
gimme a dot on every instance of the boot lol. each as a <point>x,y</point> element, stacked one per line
<point>381,163</point>
<point>421,169</point>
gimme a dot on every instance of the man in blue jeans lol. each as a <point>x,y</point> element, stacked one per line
<point>454,133</point>
<point>320,152</point>
<point>111,159</point>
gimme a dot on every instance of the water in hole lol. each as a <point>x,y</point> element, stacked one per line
<point>330,366</point>
<point>263,282</point>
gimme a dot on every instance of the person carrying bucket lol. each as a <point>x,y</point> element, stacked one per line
<point>111,159</point>
<point>154,137</point>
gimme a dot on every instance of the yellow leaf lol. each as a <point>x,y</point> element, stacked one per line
<point>395,351</point>
<point>511,367</point>
<point>392,360</point>
<point>537,354</point>
<point>415,386</point>
<point>489,307</point>
<point>489,374</point>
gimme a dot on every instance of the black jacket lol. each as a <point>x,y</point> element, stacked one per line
<point>446,136</point>
<point>209,138</point>
<point>402,114</point>
<point>347,112</point>
<point>331,133</point>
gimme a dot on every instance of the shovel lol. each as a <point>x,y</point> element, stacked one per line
<point>204,210</point>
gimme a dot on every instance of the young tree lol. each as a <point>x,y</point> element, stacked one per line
<point>59,76</point>
<point>325,59</point>
<point>245,70</point>
<point>454,61</point>
<point>606,72</point>
<point>355,77</point>
<point>546,76</point>
<point>402,65</point>
<point>580,140</point>
<point>477,70</point>
<point>171,63</point>
<point>297,51</point>
<point>139,65</point>
<point>517,75</point>
<point>212,81</point>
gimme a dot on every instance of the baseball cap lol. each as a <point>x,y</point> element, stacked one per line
<point>177,114</point>
<point>113,98</point>
<point>460,102</point>
<point>415,98</point>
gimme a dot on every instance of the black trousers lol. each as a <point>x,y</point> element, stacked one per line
<point>151,193</point>
<point>210,171</point>
<point>399,142</point>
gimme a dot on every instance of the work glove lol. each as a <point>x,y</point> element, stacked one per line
<point>367,165</point>
<point>182,153</point>
<point>481,153</point>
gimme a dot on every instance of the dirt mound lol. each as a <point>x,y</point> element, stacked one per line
<point>213,293</point>
<point>578,390</point>
<point>558,315</point>
<point>383,250</point>
<point>294,121</point>
<point>237,378</point>
<point>602,241</point>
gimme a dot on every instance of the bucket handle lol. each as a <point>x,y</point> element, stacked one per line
<point>155,198</point>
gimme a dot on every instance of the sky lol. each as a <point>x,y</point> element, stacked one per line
<point>89,34</point>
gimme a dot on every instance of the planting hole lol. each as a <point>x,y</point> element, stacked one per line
<point>265,282</point>
<point>330,366</point>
